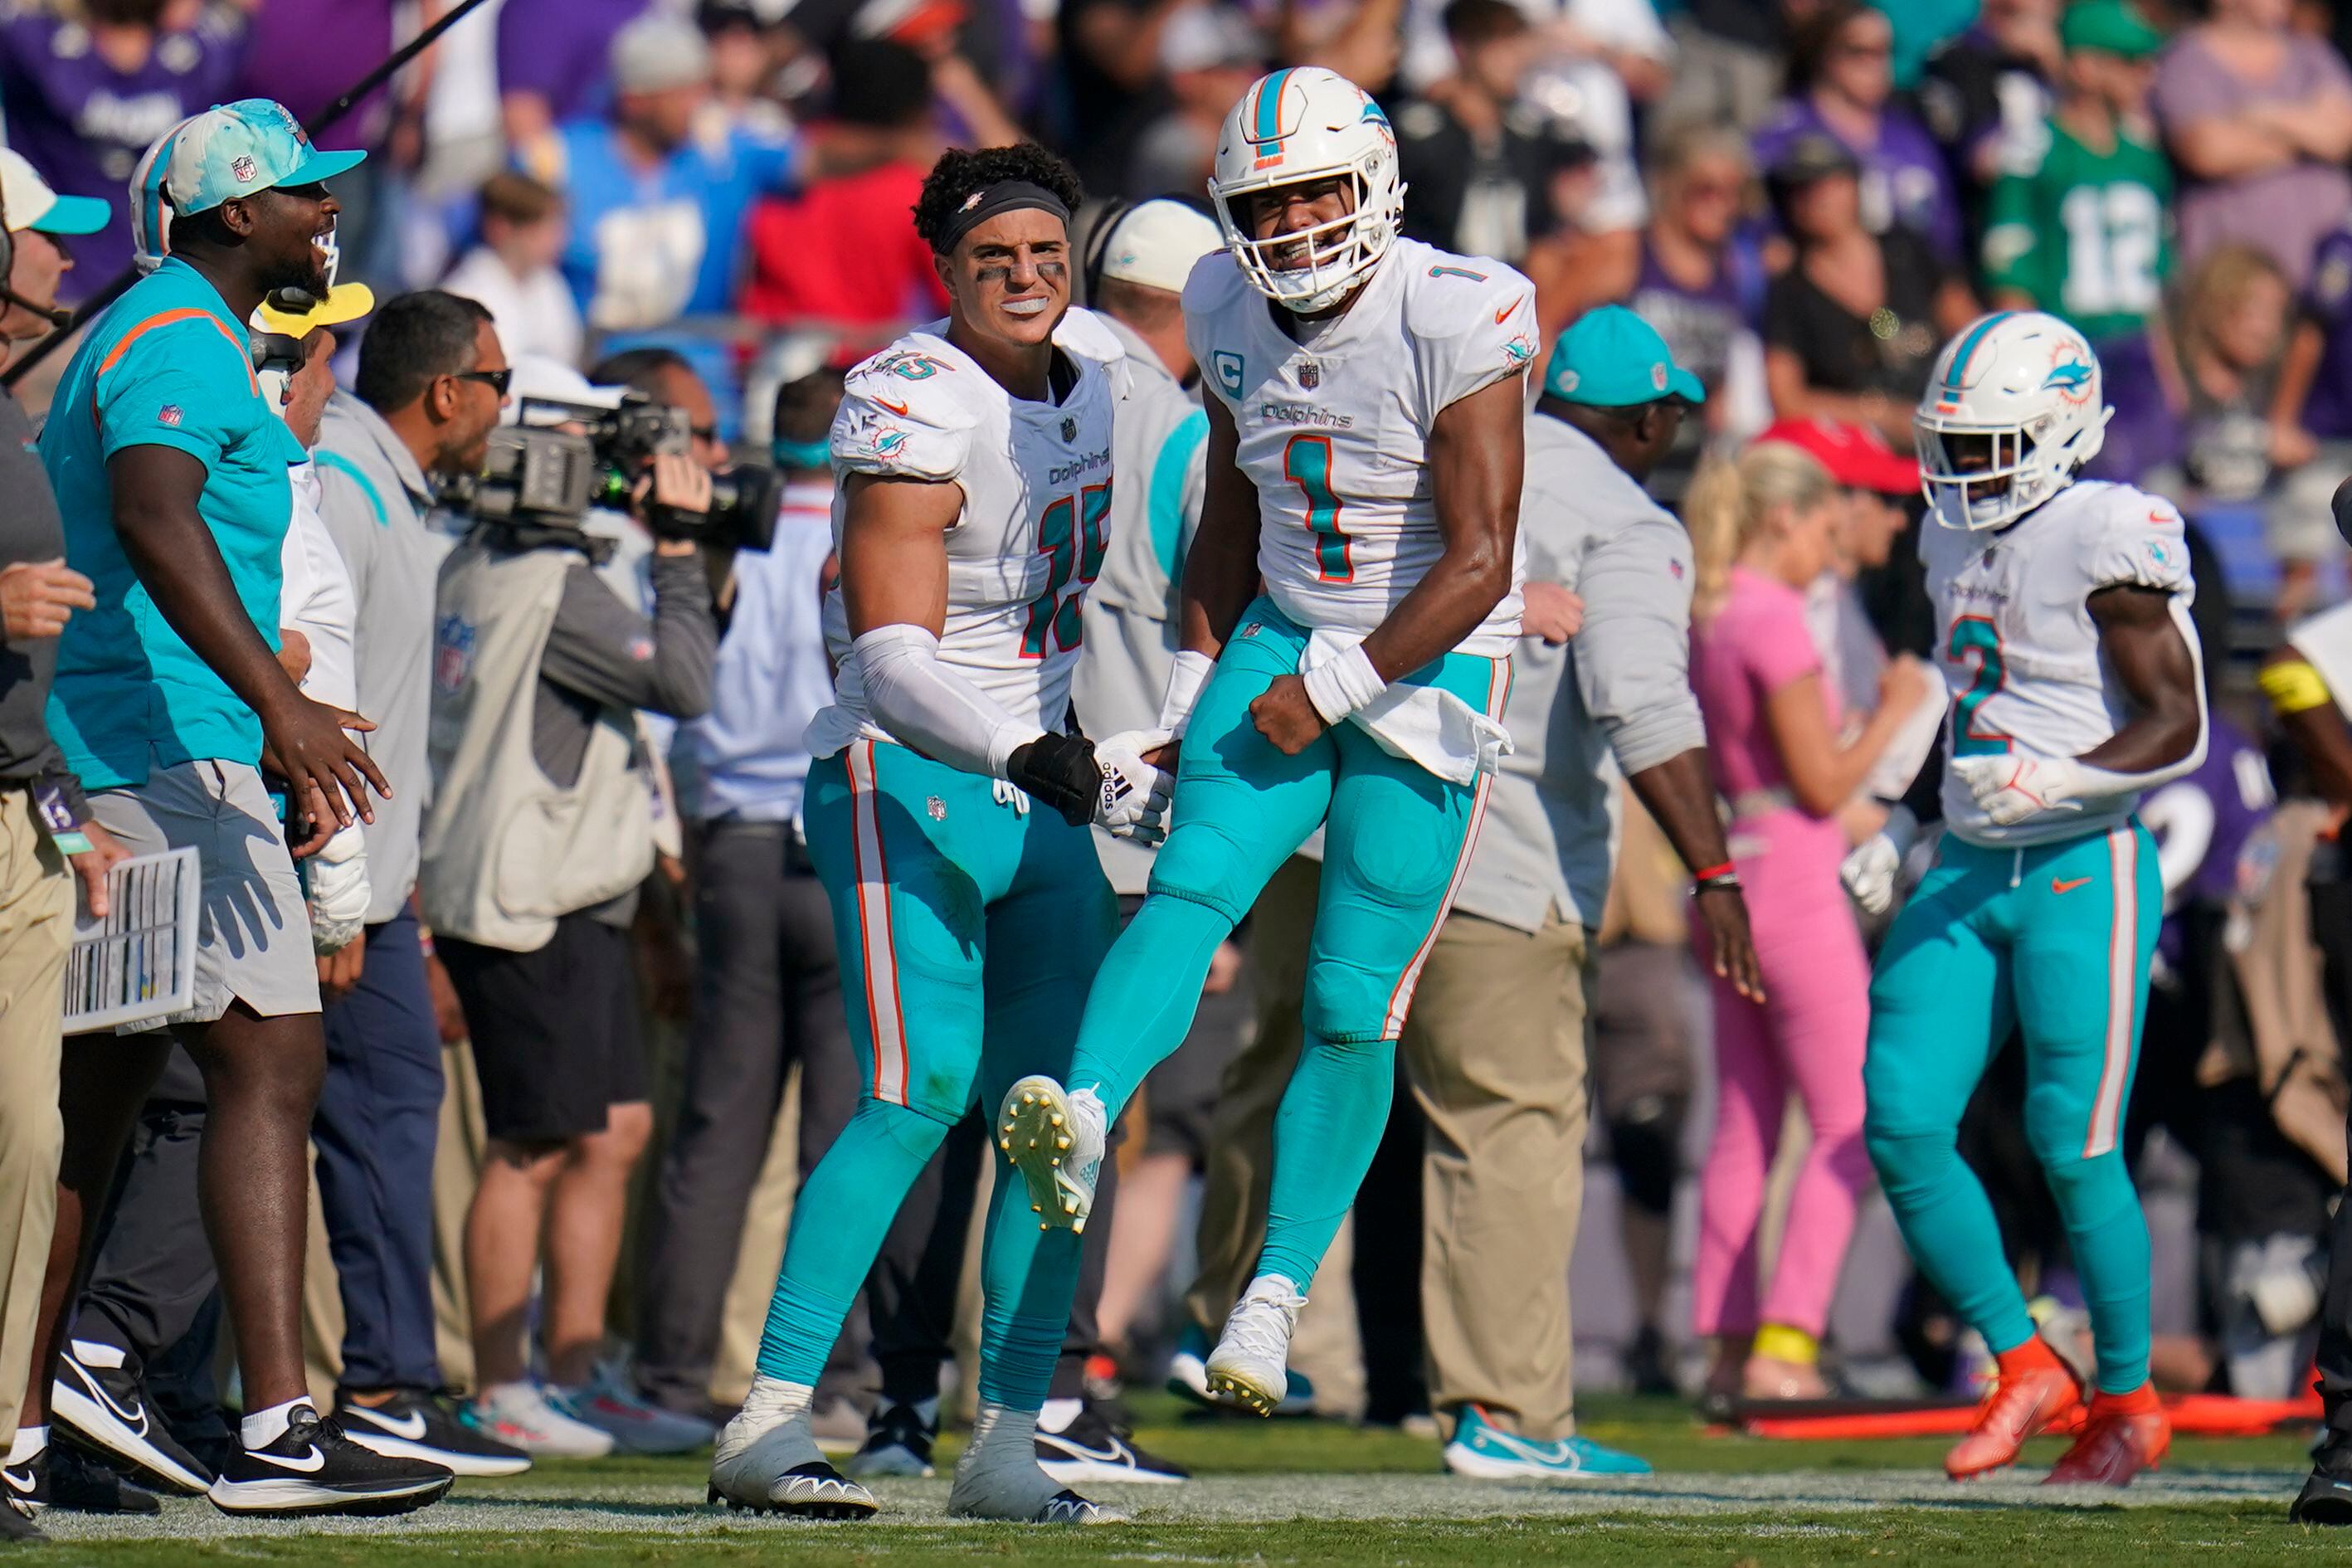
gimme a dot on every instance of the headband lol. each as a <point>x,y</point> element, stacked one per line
<point>1004,196</point>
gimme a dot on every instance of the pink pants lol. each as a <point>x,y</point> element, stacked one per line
<point>1809,1034</point>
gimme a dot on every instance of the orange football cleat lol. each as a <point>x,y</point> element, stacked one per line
<point>2030,1398</point>
<point>2126,1434</point>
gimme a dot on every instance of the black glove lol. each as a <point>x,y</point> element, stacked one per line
<point>1059,771</point>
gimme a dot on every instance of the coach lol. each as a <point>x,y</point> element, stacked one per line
<point>432,379</point>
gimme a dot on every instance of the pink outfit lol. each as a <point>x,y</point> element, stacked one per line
<point>1810,1033</point>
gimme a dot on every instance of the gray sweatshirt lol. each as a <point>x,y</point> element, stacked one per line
<point>1622,686</point>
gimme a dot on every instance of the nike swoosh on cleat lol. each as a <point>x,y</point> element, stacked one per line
<point>411,1426</point>
<point>26,1486</point>
<point>314,1462</point>
<point>136,1419</point>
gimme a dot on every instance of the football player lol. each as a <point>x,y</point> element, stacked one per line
<point>977,474</point>
<point>2062,625</point>
<point>1364,451</point>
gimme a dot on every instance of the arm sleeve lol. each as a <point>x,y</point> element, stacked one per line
<point>896,427</point>
<point>317,600</point>
<point>607,652</point>
<point>931,707</point>
<point>1633,656</point>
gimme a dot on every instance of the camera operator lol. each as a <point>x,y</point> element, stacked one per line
<point>534,846</point>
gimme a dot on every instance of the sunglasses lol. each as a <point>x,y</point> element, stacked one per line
<point>496,381</point>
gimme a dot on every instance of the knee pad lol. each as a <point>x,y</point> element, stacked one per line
<point>1346,1001</point>
<point>1908,1160</point>
<point>1645,1144</point>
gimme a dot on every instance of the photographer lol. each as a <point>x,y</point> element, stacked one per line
<point>534,848</point>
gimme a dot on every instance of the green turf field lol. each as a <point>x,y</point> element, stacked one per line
<point>1302,1493</point>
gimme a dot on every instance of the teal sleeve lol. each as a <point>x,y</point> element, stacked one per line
<point>181,386</point>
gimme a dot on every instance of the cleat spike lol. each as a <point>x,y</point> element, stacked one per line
<point>1069,1206</point>
<point>1028,1099</point>
<point>1036,1208</point>
<point>1061,1142</point>
<point>1033,1143</point>
<point>1057,1164</point>
<point>1056,1121</point>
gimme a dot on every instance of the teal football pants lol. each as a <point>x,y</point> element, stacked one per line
<point>967,929</point>
<point>1396,841</point>
<point>2055,940</point>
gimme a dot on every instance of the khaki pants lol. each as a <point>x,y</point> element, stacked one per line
<point>1494,1050</point>
<point>37,909</point>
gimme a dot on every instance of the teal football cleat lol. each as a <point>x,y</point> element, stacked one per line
<point>1486,1452</point>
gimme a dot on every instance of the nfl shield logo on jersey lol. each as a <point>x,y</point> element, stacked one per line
<point>935,808</point>
<point>1310,375</point>
<point>453,653</point>
<point>1069,430</point>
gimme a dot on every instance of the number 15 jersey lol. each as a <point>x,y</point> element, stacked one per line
<point>1334,424</point>
<point>2017,644</point>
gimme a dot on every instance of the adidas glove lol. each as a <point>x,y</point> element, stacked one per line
<point>1061,774</point>
<point>1135,793</point>
<point>2015,786</point>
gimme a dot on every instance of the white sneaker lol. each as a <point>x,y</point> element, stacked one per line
<point>524,1416</point>
<point>775,1464</point>
<point>607,1403</point>
<point>1054,1139</point>
<point>1248,1366</point>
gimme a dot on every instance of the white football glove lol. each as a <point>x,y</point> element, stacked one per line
<point>2015,786</point>
<point>1135,795</point>
<point>1869,871</point>
<point>336,879</point>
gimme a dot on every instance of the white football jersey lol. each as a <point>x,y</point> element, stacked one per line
<point>1036,481</point>
<point>2019,648</point>
<point>1335,426</point>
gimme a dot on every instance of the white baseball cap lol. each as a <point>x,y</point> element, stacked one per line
<point>32,205</point>
<point>657,52</point>
<point>1156,242</point>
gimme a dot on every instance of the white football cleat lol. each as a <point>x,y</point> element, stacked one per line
<point>1248,1367</point>
<point>999,1477</point>
<point>777,1466</point>
<point>1054,1139</point>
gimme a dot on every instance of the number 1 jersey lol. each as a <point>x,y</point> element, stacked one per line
<point>2019,647</point>
<point>1036,483</point>
<point>1334,425</point>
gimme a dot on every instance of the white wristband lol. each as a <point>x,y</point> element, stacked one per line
<point>1186,677</point>
<point>1339,685</point>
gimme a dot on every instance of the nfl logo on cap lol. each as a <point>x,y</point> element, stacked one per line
<point>242,168</point>
<point>1658,376</point>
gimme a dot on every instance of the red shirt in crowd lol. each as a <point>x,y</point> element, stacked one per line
<point>845,250</point>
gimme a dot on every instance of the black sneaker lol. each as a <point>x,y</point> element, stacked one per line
<point>60,1479</point>
<point>99,1402</point>
<point>313,1468</point>
<point>413,1425</point>
<point>16,1524</point>
<point>897,1442</point>
<point>1645,1363</point>
<point>2327,1497</point>
<point>1088,1450</point>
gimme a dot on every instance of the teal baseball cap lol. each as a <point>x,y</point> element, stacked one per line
<point>236,149</point>
<point>1611,358</point>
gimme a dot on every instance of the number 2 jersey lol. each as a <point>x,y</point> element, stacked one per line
<point>1334,425</point>
<point>2017,645</point>
<point>1036,482</point>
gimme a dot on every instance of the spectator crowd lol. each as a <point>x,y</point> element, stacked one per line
<point>559,1114</point>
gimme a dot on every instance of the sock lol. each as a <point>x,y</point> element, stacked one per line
<point>2033,1356</point>
<point>771,1400</point>
<point>263,1427</point>
<point>2140,1401</point>
<point>1001,1436</point>
<point>1329,1126</point>
<point>1779,1342</point>
<point>31,1442</point>
<point>1141,1004</point>
<point>1058,1414</point>
<point>844,1211</point>
<point>1028,1276</point>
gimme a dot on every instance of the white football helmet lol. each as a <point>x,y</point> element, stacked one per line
<point>1293,127</point>
<point>2016,398</point>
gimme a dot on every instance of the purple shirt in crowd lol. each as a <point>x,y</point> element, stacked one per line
<point>308,53</point>
<point>563,49</point>
<point>2285,211</point>
<point>2327,303</point>
<point>83,124</point>
<point>1904,179</point>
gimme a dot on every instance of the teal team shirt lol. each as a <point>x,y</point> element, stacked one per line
<point>166,366</point>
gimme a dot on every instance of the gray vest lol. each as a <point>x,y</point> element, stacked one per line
<point>505,851</point>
